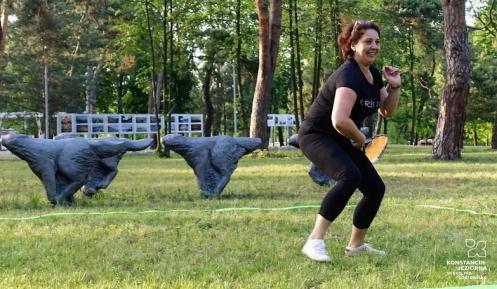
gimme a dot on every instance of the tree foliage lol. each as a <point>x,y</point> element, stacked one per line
<point>194,39</point>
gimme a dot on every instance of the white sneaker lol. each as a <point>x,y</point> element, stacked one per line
<point>315,249</point>
<point>350,251</point>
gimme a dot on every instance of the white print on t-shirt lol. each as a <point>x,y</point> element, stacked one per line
<point>370,103</point>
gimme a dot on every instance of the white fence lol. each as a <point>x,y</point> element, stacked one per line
<point>286,120</point>
<point>187,124</point>
<point>125,124</point>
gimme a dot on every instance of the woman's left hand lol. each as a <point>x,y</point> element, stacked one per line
<point>392,75</point>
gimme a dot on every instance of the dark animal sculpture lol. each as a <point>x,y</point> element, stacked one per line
<point>316,174</point>
<point>213,159</point>
<point>65,165</point>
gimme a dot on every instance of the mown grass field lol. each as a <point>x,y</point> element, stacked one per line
<point>152,229</point>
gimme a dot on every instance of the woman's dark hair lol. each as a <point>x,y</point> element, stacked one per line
<point>351,33</point>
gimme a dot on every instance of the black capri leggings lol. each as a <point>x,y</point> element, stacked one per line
<point>351,170</point>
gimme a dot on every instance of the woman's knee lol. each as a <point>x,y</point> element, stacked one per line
<point>351,176</point>
<point>376,189</point>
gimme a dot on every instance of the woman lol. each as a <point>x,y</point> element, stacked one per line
<point>330,137</point>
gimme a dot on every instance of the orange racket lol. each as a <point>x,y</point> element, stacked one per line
<point>375,147</point>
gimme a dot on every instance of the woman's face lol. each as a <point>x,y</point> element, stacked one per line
<point>367,48</point>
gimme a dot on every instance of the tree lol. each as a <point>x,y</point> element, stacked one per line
<point>269,37</point>
<point>335,30</point>
<point>483,93</point>
<point>450,126</point>
<point>415,30</point>
<point>293,81</point>
<point>4,14</point>
<point>486,32</point>
<point>316,79</point>
<point>298,53</point>
<point>486,15</point>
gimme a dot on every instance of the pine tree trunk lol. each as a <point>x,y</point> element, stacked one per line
<point>281,139</point>
<point>168,69</point>
<point>165,81</point>
<point>475,135</point>
<point>292,66</point>
<point>4,13</point>
<point>450,126</point>
<point>165,55</point>
<point>91,86</point>
<point>225,119</point>
<point>335,31</point>
<point>411,82</point>
<point>300,83</point>
<point>2,32</point>
<point>171,56</point>
<point>90,101</point>
<point>154,95</point>
<point>316,79</point>
<point>209,109</point>
<point>75,54</point>
<point>152,101</point>
<point>222,118</point>
<point>158,89</point>
<point>269,37</point>
<point>494,133</point>
<point>239,88</point>
<point>120,90</point>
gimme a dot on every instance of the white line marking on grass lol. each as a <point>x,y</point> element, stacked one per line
<point>234,209</point>
<point>469,287</point>
<point>457,210</point>
<point>219,210</point>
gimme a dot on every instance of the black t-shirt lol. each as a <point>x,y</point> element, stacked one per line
<point>318,118</point>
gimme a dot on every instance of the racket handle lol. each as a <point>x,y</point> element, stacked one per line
<point>366,142</point>
<point>365,131</point>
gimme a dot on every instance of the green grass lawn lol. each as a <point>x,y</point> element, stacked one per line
<point>152,229</point>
